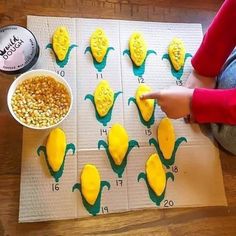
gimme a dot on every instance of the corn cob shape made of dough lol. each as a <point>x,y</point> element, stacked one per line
<point>155,178</point>
<point>118,143</point>
<point>166,144</point>
<point>176,56</point>
<point>90,183</point>
<point>118,147</point>
<point>103,97</point>
<point>176,52</point>
<point>156,175</point>
<point>103,101</point>
<point>61,42</point>
<point>90,187</point>
<point>55,152</point>
<point>138,48</point>
<point>138,53</point>
<point>166,137</point>
<point>99,44</point>
<point>146,107</point>
<point>55,148</point>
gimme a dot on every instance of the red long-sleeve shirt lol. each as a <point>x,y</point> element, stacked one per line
<point>216,105</point>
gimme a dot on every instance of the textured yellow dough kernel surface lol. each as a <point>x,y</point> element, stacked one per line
<point>138,48</point>
<point>99,44</point>
<point>61,42</point>
<point>103,97</point>
<point>176,52</point>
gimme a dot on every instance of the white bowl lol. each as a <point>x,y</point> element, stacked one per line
<point>29,75</point>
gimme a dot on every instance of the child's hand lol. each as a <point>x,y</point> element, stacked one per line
<point>175,101</point>
<point>198,81</point>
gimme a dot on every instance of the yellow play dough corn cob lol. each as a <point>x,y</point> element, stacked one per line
<point>176,52</point>
<point>55,148</point>
<point>138,48</point>
<point>146,106</point>
<point>61,42</point>
<point>166,137</point>
<point>118,143</point>
<point>156,175</point>
<point>90,183</point>
<point>99,44</point>
<point>103,97</point>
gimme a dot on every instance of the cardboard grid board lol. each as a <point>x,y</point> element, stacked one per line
<point>197,171</point>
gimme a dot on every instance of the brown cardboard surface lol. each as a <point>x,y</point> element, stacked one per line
<point>198,179</point>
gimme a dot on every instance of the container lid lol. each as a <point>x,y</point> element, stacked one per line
<point>19,49</point>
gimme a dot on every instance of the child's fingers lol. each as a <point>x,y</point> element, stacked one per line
<point>189,119</point>
<point>153,95</point>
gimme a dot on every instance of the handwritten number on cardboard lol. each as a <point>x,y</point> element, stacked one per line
<point>168,203</point>
<point>175,169</point>
<point>148,132</point>
<point>104,210</point>
<point>119,182</point>
<point>62,73</point>
<point>55,187</point>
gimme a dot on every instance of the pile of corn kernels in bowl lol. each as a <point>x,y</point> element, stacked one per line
<point>40,101</point>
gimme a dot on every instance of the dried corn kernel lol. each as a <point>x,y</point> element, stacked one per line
<point>40,101</point>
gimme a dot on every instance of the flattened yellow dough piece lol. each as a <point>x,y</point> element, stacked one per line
<point>99,44</point>
<point>118,143</point>
<point>176,52</point>
<point>138,48</point>
<point>166,137</point>
<point>156,175</point>
<point>146,106</point>
<point>90,183</point>
<point>103,97</point>
<point>56,148</point>
<point>61,42</point>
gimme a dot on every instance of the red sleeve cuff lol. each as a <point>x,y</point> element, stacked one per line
<point>214,106</point>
